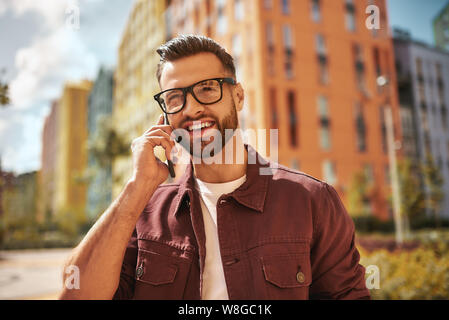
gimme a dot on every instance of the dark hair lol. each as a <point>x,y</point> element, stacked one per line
<point>188,45</point>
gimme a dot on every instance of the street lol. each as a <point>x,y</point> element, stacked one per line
<point>31,274</point>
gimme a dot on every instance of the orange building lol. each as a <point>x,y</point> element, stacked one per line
<point>310,69</point>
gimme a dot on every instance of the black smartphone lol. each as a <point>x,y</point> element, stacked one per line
<point>169,162</point>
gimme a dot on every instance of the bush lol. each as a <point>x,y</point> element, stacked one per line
<point>369,224</point>
<point>422,273</point>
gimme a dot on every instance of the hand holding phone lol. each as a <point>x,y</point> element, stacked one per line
<point>146,166</point>
<point>171,169</point>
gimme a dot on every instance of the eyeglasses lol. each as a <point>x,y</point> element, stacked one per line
<point>206,92</point>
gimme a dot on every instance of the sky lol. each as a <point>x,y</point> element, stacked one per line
<point>41,50</point>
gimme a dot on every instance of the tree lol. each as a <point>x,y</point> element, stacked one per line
<point>107,144</point>
<point>359,194</point>
<point>413,197</point>
<point>4,90</point>
<point>434,185</point>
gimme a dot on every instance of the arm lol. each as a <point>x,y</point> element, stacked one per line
<point>336,271</point>
<point>100,254</point>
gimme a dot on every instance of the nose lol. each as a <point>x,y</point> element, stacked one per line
<point>192,108</point>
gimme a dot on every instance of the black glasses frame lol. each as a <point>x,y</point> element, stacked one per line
<point>188,89</point>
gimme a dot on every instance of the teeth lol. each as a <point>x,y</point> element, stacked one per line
<point>199,126</point>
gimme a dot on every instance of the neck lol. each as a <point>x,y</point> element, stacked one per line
<point>222,172</point>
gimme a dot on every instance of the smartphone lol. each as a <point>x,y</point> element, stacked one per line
<point>169,162</point>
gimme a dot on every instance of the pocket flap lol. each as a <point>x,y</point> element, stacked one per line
<point>287,271</point>
<point>155,269</point>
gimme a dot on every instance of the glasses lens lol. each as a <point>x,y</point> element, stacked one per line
<point>208,91</point>
<point>172,100</point>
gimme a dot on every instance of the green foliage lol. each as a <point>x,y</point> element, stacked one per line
<point>434,183</point>
<point>359,194</point>
<point>413,197</point>
<point>107,144</point>
<point>4,91</point>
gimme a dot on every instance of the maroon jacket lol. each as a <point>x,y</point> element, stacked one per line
<point>282,236</point>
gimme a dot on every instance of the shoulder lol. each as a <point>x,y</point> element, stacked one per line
<point>298,180</point>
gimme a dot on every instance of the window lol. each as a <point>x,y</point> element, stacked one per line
<point>360,128</point>
<point>208,24</point>
<point>288,48</point>
<point>359,66</point>
<point>323,76</point>
<point>383,129</point>
<point>350,15</point>
<point>268,4</point>
<point>270,48</point>
<point>323,112</point>
<point>274,112</point>
<point>294,164</point>
<point>369,173</point>
<point>236,53</point>
<point>316,11</point>
<point>293,121</point>
<point>239,10</point>
<point>222,23</point>
<point>329,174</point>
<point>285,6</point>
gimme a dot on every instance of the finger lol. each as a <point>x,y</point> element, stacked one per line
<point>163,142</point>
<point>168,129</point>
<point>161,119</point>
<point>162,133</point>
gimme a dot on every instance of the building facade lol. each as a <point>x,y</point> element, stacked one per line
<point>441,28</point>
<point>47,174</point>
<point>100,104</point>
<point>310,70</point>
<point>135,109</point>
<point>423,81</point>
<point>71,162</point>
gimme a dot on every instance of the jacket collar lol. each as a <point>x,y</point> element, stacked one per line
<point>251,193</point>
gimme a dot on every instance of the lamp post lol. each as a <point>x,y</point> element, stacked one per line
<point>383,81</point>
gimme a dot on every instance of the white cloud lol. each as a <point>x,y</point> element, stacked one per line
<point>56,54</point>
<point>55,58</point>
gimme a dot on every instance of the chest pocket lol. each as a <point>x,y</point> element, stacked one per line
<point>287,276</point>
<point>160,276</point>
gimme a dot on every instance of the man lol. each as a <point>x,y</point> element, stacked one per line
<point>224,230</point>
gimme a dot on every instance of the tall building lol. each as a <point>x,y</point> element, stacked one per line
<point>441,28</point>
<point>47,174</point>
<point>423,82</point>
<point>135,110</point>
<point>310,69</point>
<point>99,110</point>
<point>71,162</point>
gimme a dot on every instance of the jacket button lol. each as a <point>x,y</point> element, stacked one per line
<point>139,272</point>
<point>300,277</point>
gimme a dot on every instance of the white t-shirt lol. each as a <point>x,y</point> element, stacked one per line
<point>213,284</point>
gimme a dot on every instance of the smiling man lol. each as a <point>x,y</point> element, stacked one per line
<point>222,231</point>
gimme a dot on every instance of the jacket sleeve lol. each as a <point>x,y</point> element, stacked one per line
<point>336,272</point>
<point>125,289</point>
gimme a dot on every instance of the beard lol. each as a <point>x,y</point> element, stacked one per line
<point>229,122</point>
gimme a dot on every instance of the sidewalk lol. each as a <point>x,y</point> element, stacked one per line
<point>31,274</point>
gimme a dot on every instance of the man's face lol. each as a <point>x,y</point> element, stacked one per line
<point>220,116</point>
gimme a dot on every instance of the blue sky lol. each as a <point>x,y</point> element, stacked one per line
<point>43,53</point>
<point>416,16</point>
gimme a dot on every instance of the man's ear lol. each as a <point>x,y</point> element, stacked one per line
<point>239,96</point>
